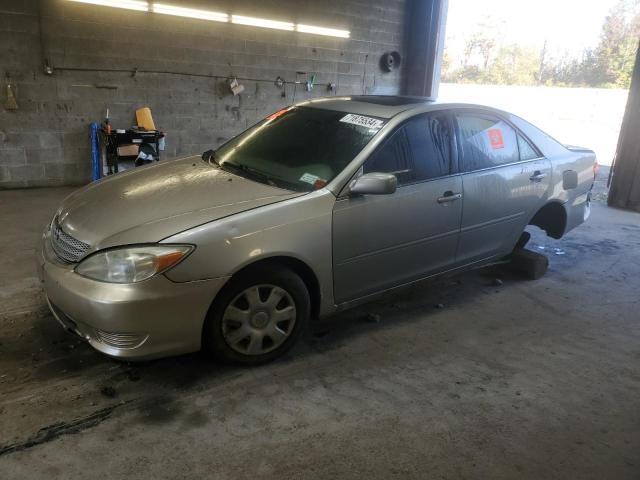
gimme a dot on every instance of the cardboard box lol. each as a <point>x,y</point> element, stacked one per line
<point>128,150</point>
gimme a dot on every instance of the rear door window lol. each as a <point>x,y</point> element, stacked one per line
<point>419,150</point>
<point>485,141</point>
<point>527,152</point>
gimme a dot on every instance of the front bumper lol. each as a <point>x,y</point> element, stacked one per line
<point>151,319</point>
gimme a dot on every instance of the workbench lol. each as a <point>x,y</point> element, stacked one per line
<point>147,140</point>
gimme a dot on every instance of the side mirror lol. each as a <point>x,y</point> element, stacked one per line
<point>208,155</point>
<point>374,184</point>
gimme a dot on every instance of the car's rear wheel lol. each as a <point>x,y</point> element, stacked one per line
<point>258,316</point>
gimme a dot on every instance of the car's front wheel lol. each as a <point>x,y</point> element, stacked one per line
<point>258,316</point>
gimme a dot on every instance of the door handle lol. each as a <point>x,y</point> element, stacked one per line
<point>537,176</point>
<point>449,196</point>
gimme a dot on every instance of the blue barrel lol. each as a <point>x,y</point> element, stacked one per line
<point>96,172</point>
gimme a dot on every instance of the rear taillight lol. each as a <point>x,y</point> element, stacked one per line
<point>596,167</point>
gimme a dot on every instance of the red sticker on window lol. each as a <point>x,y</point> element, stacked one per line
<point>495,138</point>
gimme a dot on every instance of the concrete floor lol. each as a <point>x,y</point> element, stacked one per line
<point>463,378</point>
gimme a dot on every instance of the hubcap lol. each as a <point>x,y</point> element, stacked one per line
<point>259,319</point>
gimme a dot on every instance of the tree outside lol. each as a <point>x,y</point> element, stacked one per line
<point>488,58</point>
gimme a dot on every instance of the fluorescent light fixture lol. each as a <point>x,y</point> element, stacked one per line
<point>127,4</point>
<point>190,12</point>
<point>332,32</point>
<point>262,22</point>
<point>166,9</point>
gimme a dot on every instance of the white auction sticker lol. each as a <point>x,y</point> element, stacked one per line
<point>309,178</point>
<point>363,121</point>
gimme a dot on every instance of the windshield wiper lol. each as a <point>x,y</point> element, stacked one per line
<point>248,170</point>
<point>265,177</point>
<point>258,175</point>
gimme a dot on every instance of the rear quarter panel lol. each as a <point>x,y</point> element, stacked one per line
<point>565,162</point>
<point>578,163</point>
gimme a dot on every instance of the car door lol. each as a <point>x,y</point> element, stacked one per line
<point>380,241</point>
<point>504,181</point>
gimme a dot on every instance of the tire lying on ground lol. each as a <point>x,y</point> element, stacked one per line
<point>258,316</point>
<point>531,264</point>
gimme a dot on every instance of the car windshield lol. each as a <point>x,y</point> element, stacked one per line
<point>298,148</point>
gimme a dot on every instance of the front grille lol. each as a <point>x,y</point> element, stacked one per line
<point>121,340</point>
<point>65,246</point>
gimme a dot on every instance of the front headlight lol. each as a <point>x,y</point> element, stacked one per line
<point>132,264</point>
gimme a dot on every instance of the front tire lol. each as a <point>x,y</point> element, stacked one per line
<point>258,316</point>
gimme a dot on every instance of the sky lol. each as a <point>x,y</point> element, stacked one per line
<point>568,26</point>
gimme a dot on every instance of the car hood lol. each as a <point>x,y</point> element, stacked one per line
<point>150,203</point>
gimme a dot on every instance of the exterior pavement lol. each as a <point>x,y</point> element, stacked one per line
<point>466,377</point>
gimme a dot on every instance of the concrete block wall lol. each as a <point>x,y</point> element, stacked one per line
<point>45,141</point>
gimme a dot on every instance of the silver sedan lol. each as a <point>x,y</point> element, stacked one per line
<point>316,208</point>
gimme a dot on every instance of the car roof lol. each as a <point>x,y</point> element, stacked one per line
<point>383,106</point>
